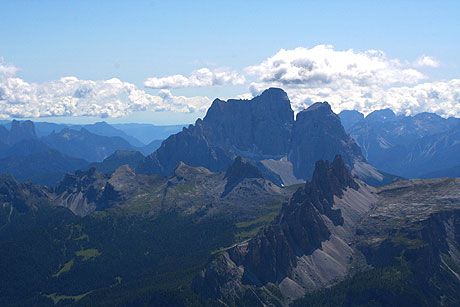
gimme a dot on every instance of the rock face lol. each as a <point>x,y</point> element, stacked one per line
<point>259,127</point>
<point>262,130</point>
<point>318,134</point>
<point>287,252</point>
<point>84,192</point>
<point>190,146</point>
<point>262,125</point>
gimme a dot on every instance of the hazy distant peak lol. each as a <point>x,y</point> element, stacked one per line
<point>381,115</point>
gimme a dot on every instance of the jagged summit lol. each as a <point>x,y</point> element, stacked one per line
<point>333,177</point>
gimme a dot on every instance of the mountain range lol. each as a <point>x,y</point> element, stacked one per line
<point>408,146</point>
<point>250,206</point>
<point>199,238</point>
<point>44,159</point>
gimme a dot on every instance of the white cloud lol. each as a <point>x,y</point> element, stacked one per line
<point>70,96</point>
<point>322,66</point>
<point>364,81</point>
<point>427,61</point>
<point>200,77</point>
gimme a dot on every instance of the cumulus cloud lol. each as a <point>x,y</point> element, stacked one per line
<point>347,79</point>
<point>427,61</point>
<point>200,77</point>
<point>322,66</point>
<point>70,96</point>
<point>363,81</point>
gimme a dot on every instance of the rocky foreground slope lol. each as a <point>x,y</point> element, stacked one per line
<point>336,226</point>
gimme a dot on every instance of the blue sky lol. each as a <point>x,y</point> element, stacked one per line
<point>137,40</point>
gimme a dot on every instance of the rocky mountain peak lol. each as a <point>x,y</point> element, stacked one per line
<point>21,130</point>
<point>80,180</point>
<point>318,134</point>
<point>183,170</point>
<point>350,117</point>
<point>238,171</point>
<point>241,169</point>
<point>123,171</point>
<point>381,115</point>
<point>274,94</point>
<point>333,178</point>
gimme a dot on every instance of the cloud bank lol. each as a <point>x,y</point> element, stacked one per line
<point>363,81</point>
<point>200,77</point>
<point>70,96</point>
<point>347,79</point>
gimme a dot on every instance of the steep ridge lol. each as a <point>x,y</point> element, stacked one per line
<point>341,242</point>
<point>305,248</point>
<point>411,239</point>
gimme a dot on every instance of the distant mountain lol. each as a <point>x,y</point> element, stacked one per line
<point>104,129</point>
<point>117,159</point>
<point>147,133</point>
<point>452,172</point>
<point>20,130</point>
<point>45,128</point>
<point>408,146</point>
<point>30,158</point>
<point>264,131</point>
<point>99,128</point>
<point>4,134</point>
<point>45,167</point>
<point>86,145</point>
<point>350,117</point>
<point>151,147</point>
